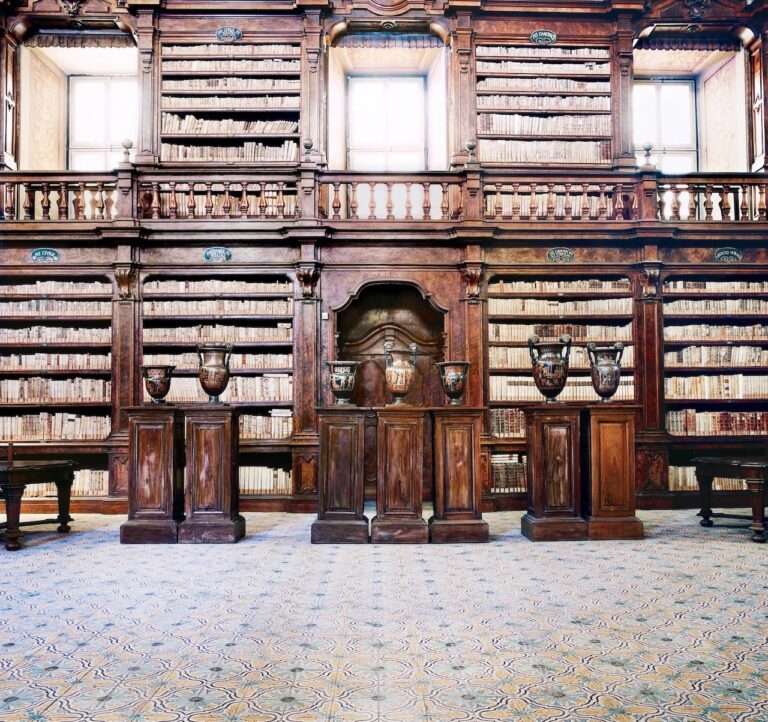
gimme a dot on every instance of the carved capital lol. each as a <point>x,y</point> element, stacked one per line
<point>472,277</point>
<point>72,7</point>
<point>125,275</point>
<point>308,275</point>
<point>649,283</point>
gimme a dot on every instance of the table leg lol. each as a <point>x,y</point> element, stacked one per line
<point>13,496</point>
<point>758,510</point>
<point>705,491</point>
<point>63,495</point>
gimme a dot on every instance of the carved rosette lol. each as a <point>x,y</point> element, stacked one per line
<point>308,276</point>
<point>125,277</point>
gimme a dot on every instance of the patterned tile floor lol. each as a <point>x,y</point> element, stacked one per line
<point>670,628</point>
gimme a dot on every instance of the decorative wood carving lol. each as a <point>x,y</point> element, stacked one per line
<point>71,6</point>
<point>125,277</point>
<point>472,276</point>
<point>308,276</point>
<point>652,470</point>
<point>305,467</point>
<point>649,283</point>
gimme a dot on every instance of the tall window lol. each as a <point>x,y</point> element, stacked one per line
<point>103,111</point>
<point>386,123</point>
<point>665,116</point>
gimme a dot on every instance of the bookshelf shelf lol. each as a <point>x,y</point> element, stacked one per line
<point>568,317</point>
<point>55,372</point>
<point>227,136</point>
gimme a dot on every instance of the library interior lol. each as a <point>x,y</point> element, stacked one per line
<point>383,360</point>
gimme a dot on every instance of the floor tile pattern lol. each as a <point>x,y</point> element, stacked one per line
<point>674,627</point>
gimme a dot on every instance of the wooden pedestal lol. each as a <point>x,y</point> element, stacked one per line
<point>458,482</point>
<point>554,474</point>
<point>609,499</point>
<point>212,485</point>
<point>340,517</point>
<point>155,483</point>
<point>400,474</point>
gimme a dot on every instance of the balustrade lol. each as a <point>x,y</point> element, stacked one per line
<point>721,197</point>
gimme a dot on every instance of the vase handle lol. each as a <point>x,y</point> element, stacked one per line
<point>619,346</point>
<point>414,353</point>
<point>566,352</point>
<point>532,341</point>
<point>228,355</point>
<point>591,353</point>
<point>199,357</point>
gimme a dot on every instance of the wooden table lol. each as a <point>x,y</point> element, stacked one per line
<point>15,476</point>
<point>753,470</point>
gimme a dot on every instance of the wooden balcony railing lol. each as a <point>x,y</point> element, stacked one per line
<point>718,197</point>
<point>48,196</point>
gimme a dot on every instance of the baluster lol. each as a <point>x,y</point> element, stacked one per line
<point>9,207</point>
<point>45,203</point>
<point>708,204</point>
<point>426,202</point>
<point>761,205</point>
<point>353,200</point>
<point>692,200</point>
<point>661,202</point>
<point>533,202</point>
<point>744,215</point>
<point>155,207</point>
<point>675,203</point>
<point>29,202</point>
<point>208,199</point>
<point>390,205</point>
<point>499,207</point>
<point>372,201</point>
<point>602,204</point>
<point>567,205</point>
<point>80,202</point>
<point>63,204</point>
<point>280,200</point>
<point>336,203</point>
<point>226,206</point>
<point>109,202</point>
<point>516,201</point>
<point>725,203</point>
<point>244,200</point>
<point>172,206</point>
<point>550,201</point>
<point>444,207</point>
<point>99,205</point>
<point>191,200</point>
<point>584,202</point>
<point>408,204</point>
<point>262,199</point>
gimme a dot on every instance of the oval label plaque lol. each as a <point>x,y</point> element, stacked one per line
<point>217,254</point>
<point>543,37</point>
<point>560,255</point>
<point>229,35</point>
<point>728,254</point>
<point>45,255</point>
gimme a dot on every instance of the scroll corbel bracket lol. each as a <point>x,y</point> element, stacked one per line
<point>308,276</point>
<point>125,277</point>
<point>472,277</point>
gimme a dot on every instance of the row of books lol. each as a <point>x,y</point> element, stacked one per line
<point>718,306</point>
<point>277,425</point>
<point>257,204</point>
<point>54,427</point>
<point>40,288</point>
<point>229,65</point>
<point>233,49</point>
<point>690,422</point>
<point>87,482</point>
<point>248,151</point>
<point>172,123</point>
<point>232,83</point>
<point>56,362</point>
<point>500,357</point>
<point>714,356</point>
<point>542,52</point>
<point>578,388</point>
<point>578,332</point>
<point>237,361</point>
<point>683,478</point>
<point>543,151</point>
<point>41,390</point>
<point>57,334</point>
<point>219,306</point>
<point>270,387</point>
<point>543,102</point>
<point>571,285</point>
<point>548,84</point>
<point>216,285</point>
<point>725,386</point>
<point>547,69</point>
<point>508,473</point>
<point>508,423</point>
<point>48,307</point>
<point>219,333</point>
<point>518,124</point>
<point>264,480</point>
<point>552,307</point>
<point>708,331</point>
<point>717,286</point>
<point>214,102</point>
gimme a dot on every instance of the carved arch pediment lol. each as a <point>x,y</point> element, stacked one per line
<point>693,11</point>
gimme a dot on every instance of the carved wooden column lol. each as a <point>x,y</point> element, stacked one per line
<point>313,100</point>
<point>609,504</point>
<point>146,151</point>
<point>9,90</point>
<point>156,482</point>
<point>340,517</point>
<point>554,474</point>
<point>458,477</point>
<point>463,89</point>
<point>472,274</point>
<point>623,78</point>
<point>212,493</point>
<point>400,473</point>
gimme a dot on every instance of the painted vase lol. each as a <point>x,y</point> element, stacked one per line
<point>214,369</point>
<point>550,364</point>
<point>157,381</point>
<point>343,375</point>
<point>453,377</point>
<point>605,367</point>
<point>398,375</point>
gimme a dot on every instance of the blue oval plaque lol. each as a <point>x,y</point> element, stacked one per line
<point>229,35</point>
<point>728,254</point>
<point>217,254</point>
<point>543,37</point>
<point>45,255</point>
<point>560,255</point>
